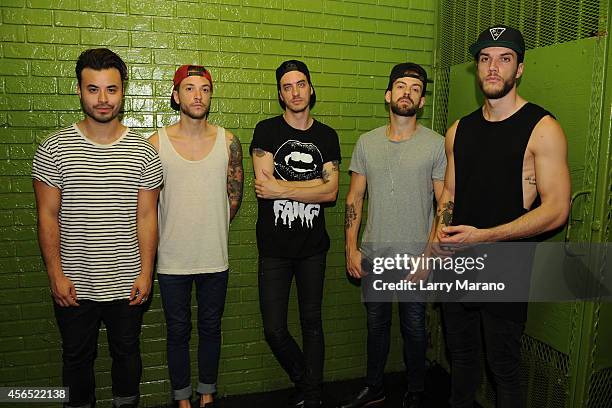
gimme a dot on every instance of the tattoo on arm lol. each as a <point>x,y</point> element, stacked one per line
<point>336,165</point>
<point>325,176</point>
<point>259,152</point>
<point>531,180</point>
<point>350,215</point>
<point>446,214</point>
<point>235,176</point>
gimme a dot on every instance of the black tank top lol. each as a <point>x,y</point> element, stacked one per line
<point>489,167</point>
<point>488,179</point>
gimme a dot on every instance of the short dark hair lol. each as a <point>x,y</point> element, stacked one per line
<point>99,59</point>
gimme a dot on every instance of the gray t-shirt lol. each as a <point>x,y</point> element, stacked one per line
<point>400,188</point>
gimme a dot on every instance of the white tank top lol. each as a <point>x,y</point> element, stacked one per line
<point>193,210</point>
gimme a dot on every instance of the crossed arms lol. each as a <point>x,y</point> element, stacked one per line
<point>320,190</point>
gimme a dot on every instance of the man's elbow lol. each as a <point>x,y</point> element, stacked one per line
<point>331,196</point>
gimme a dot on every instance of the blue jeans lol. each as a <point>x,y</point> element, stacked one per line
<point>412,327</point>
<point>305,368</point>
<point>175,290</point>
<point>79,327</point>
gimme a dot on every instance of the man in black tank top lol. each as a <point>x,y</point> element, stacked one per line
<point>491,193</point>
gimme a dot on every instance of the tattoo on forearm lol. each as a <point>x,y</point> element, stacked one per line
<point>235,176</point>
<point>325,175</point>
<point>259,152</point>
<point>446,214</point>
<point>531,180</point>
<point>350,215</point>
<point>335,165</point>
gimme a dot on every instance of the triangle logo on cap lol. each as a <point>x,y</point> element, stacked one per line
<point>496,32</point>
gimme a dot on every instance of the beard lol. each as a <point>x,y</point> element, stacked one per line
<point>193,115</point>
<point>407,111</point>
<point>497,93</point>
<point>91,112</point>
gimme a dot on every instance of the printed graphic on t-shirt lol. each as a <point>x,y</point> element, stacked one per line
<point>297,161</point>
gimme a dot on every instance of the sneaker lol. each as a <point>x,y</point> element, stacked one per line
<point>366,397</point>
<point>296,400</point>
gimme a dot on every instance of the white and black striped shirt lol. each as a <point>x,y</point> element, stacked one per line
<point>99,196</point>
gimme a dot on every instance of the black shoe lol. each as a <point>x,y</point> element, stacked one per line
<point>366,397</point>
<point>313,404</point>
<point>296,400</point>
<point>413,400</point>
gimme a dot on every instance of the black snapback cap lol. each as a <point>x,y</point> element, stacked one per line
<point>500,36</point>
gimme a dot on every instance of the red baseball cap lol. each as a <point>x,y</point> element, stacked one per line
<point>185,71</point>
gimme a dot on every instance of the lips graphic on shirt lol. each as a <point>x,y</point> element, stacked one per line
<point>299,161</point>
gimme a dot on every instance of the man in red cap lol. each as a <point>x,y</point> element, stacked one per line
<point>296,160</point>
<point>518,151</point>
<point>202,192</point>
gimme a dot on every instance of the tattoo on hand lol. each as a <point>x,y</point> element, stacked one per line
<point>259,152</point>
<point>446,214</point>
<point>350,215</point>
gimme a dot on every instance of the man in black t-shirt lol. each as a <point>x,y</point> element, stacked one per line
<point>296,161</point>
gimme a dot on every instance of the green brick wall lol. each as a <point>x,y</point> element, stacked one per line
<point>349,46</point>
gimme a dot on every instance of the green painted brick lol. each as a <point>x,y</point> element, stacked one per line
<point>53,35</point>
<point>15,33</point>
<point>377,40</point>
<point>187,41</point>
<point>27,16</point>
<point>78,19</point>
<point>8,135</point>
<point>21,151</point>
<point>282,17</point>
<point>341,37</point>
<point>31,86</point>
<point>14,102</point>
<point>312,5</point>
<point>422,30</point>
<point>152,40</point>
<point>107,38</point>
<point>391,27</point>
<point>57,102</point>
<point>303,34</point>
<point>10,67</point>
<point>244,45</point>
<point>26,248</point>
<point>6,218</point>
<point>132,23</point>
<point>169,25</point>
<point>13,3</point>
<point>375,12</point>
<point>340,8</point>
<point>152,7</point>
<point>26,217</point>
<point>14,373</point>
<point>52,69</point>
<point>67,119</point>
<point>137,55</point>
<point>54,4</point>
<point>262,31</point>
<point>268,4</point>
<point>414,16</point>
<point>70,53</point>
<point>422,4</point>
<point>221,28</point>
<point>359,24</point>
<point>243,14</point>
<point>32,119</point>
<point>108,6</point>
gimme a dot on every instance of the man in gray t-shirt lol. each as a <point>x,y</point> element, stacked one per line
<point>401,165</point>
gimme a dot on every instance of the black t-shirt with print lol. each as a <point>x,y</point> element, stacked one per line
<point>287,228</point>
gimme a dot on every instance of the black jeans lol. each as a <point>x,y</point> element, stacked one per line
<point>175,290</point>
<point>503,351</point>
<point>412,327</point>
<point>79,327</point>
<point>305,368</point>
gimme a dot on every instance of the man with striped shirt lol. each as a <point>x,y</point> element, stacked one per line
<point>96,185</point>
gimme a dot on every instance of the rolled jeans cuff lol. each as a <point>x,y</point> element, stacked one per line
<point>206,388</point>
<point>119,401</point>
<point>182,394</point>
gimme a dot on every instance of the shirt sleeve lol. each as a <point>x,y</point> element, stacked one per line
<point>333,150</point>
<point>261,139</point>
<point>439,165</point>
<point>153,174</point>
<point>358,164</point>
<point>44,166</point>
